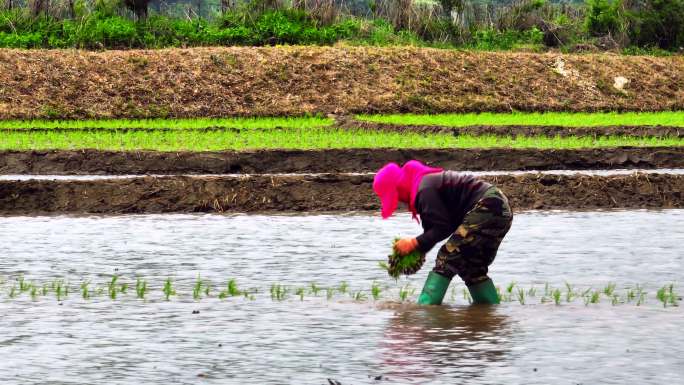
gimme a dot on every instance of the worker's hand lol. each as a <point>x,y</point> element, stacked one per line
<point>406,245</point>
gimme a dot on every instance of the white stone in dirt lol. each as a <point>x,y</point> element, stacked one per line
<point>619,83</point>
<point>559,67</point>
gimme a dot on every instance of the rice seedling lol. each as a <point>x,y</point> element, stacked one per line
<point>314,289</point>
<point>300,292</point>
<point>44,290</point>
<point>404,292</point>
<point>140,288</point>
<point>278,292</point>
<point>641,295</point>
<point>570,293</point>
<point>509,288</point>
<point>112,288</point>
<point>666,295</point>
<point>595,297</point>
<point>631,294</point>
<point>609,289</point>
<point>375,291</point>
<point>232,288</point>
<point>532,292</point>
<point>13,292</point>
<point>168,289</point>
<point>674,297</point>
<point>329,292</point>
<point>360,296</point>
<point>59,289</point>
<point>207,288</point>
<point>556,295</point>
<point>521,296</point>
<point>123,288</point>
<point>197,289</point>
<point>344,286</point>
<point>23,285</point>
<point>85,291</point>
<point>33,292</point>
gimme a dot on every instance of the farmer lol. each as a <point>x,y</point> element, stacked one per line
<point>472,213</point>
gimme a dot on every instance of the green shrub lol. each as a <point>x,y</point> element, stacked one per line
<point>492,40</point>
<point>605,17</point>
<point>659,23</point>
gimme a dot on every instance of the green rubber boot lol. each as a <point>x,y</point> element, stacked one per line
<point>484,293</point>
<point>435,288</point>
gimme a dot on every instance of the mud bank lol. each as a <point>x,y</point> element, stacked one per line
<point>517,130</point>
<point>330,161</point>
<point>261,81</point>
<point>318,193</point>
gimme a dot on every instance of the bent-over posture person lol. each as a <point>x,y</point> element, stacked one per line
<point>472,213</point>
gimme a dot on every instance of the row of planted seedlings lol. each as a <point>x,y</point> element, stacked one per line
<point>666,294</point>
<point>118,286</point>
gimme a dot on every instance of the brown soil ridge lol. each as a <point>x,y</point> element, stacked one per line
<point>296,80</point>
<point>88,162</point>
<point>520,130</point>
<point>330,192</point>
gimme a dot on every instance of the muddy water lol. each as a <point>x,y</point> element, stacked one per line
<point>262,341</point>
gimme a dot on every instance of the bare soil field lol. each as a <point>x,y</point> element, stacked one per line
<point>330,161</point>
<point>318,193</point>
<point>290,81</point>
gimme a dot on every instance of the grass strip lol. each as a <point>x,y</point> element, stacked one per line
<point>565,119</point>
<point>172,124</point>
<point>316,138</point>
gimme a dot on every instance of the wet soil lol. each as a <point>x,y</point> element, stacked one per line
<point>319,193</point>
<point>87,162</point>
<point>519,130</point>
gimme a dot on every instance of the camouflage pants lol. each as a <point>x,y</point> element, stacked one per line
<point>472,247</point>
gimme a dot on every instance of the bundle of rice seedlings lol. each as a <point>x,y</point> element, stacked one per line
<point>403,264</point>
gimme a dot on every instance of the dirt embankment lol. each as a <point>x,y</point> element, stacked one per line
<point>318,193</point>
<point>562,131</point>
<point>330,161</point>
<point>235,81</point>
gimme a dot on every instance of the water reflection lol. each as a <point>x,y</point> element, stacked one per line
<point>423,343</point>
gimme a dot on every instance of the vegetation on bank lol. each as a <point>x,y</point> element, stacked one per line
<point>594,119</point>
<point>297,138</point>
<point>300,80</point>
<point>652,26</point>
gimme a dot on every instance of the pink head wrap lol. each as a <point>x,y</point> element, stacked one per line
<point>393,184</point>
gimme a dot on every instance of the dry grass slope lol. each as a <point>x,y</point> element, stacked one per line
<point>268,81</point>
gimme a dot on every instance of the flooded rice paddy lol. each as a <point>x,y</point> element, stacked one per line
<point>309,337</point>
